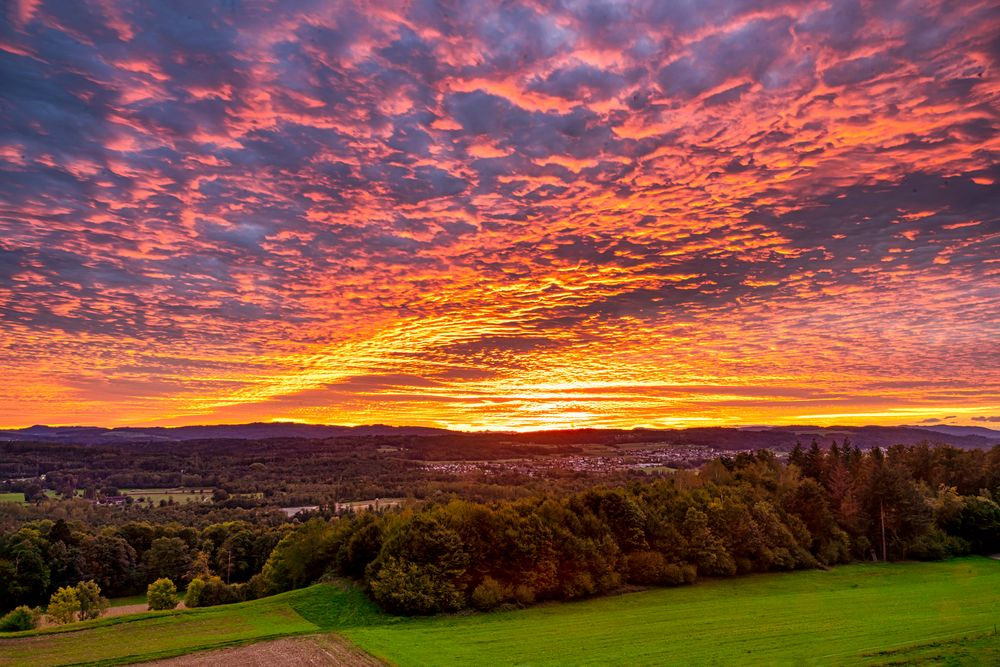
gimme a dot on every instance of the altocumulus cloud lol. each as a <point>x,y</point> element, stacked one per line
<point>236,210</point>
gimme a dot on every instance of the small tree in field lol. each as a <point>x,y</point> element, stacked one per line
<point>21,618</point>
<point>92,604</point>
<point>195,590</point>
<point>63,605</point>
<point>488,594</point>
<point>161,594</point>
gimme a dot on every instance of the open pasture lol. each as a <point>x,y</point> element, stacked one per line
<point>856,614</point>
<point>151,635</point>
<point>178,495</point>
<point>871,614</point>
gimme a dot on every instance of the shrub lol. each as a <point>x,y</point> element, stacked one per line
<point>217,591</point>
<point>21,618</point>
<point>257,587</point>
<point>63,605</point>
<point>524,594</point>
<point>935,544</point>
<point>92,604</point>
<point>675,575</point>
<point>646,567</point>
<point>195,589</point>
<point>577,585</point>
<point>214,591</point>
<point>488,594</point>
<point>161,594</point>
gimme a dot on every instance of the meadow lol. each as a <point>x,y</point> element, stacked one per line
<point>178,495</point>
<point>18,497</point>
<point>152,635</point>
<point>856,614</point>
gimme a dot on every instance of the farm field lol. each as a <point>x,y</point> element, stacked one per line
<point>178,495</point>
<point>153,635</point>
<point>912,613</point>
<point>842,616</point>
<point>18,497</point>
<point>129,601</point>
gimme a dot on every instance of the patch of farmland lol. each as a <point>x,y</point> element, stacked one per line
<point>316,650</point>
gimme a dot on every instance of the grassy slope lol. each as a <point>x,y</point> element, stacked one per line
<point>917,611</point>
<point>162,634</point>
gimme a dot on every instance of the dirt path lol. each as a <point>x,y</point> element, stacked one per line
<point>312,650</point>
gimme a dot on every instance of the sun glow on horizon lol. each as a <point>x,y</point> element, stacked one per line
<point>500,217</point>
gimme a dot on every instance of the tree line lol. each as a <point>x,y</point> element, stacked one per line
<point>740,515</point>
<point>736,515</point>
<point>42,556</point>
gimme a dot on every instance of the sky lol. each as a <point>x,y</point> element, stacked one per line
<point>500,215</point>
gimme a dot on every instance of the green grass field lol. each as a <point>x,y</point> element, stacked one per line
<point>18,497</point>
<point>127,602</point>
<point>913,613</point>
<point>842,616</point>
<point>134,638</point>
<point>178,495</point>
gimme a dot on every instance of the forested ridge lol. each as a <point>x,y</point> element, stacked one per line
<point>736,515</point>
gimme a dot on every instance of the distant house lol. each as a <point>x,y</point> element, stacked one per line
<point>292,511</point>
<point>112,500</point>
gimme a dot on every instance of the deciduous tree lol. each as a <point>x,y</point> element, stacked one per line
<point>63,605</point>
<point>161,594</point>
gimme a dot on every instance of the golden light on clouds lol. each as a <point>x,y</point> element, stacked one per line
<point>492,216</point>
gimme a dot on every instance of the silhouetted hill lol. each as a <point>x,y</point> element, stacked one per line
<point>962,430</point>
<point>781,438</point>
<point>92,435</point>
<point>441,443</point>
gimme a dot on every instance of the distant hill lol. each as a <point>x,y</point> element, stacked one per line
<point>963,430</point>
<point>867,437</point>
<point>780,438</point>
<point>93,435</point>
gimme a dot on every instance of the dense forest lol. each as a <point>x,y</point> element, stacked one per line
<point>736,515</point>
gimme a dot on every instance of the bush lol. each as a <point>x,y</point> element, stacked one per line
<point>21,618</point>
<point>646,568</point>
<point>92,604</point>
<point>161,594</point>
<point>257,587</point>
<point>524,594</point>
<point>675,575</point>
<point>935,544</point>
<point>63,605</point>
<point>577,585</point>
<point>488,595</point>
<point>193,597</point>
<point>217,591</point>
<point>214,591</point>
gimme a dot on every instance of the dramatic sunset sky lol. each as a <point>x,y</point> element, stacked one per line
<point>500,214</point>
